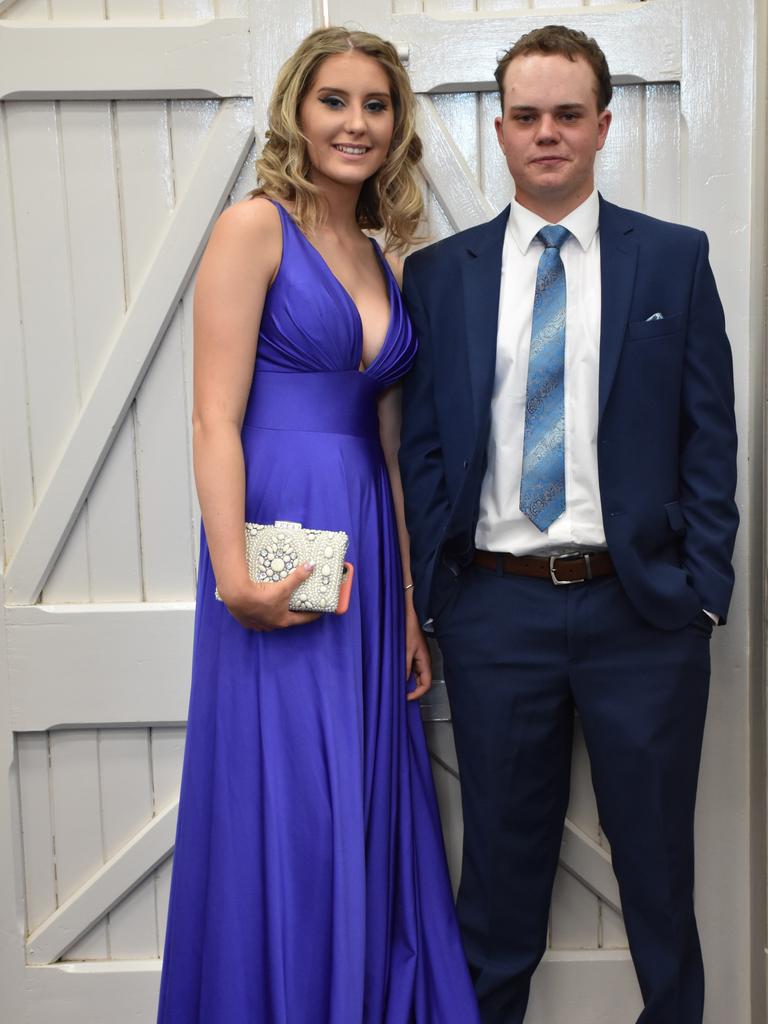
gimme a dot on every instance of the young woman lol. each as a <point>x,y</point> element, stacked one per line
<point>310,884</point>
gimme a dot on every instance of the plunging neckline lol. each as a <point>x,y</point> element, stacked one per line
<point>388,276</point>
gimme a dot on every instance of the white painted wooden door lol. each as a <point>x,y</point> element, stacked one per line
<point>125,126</point>
<point>679,149</point>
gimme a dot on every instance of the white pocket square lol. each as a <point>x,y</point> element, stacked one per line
<point>656,316</point>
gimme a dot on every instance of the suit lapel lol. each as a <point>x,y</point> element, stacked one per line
<point>482,281</point>
<point>618,264</point>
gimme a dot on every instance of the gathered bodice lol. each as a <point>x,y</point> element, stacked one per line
<point>310,322</point>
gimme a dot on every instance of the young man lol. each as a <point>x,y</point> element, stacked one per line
<point>568,460</point>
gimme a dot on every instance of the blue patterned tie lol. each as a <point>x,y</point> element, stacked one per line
<point>542,487</point>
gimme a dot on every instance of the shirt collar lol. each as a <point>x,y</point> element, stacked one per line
<point>523,225</point>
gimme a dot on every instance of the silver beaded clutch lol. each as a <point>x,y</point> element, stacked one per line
<point>274,551</point>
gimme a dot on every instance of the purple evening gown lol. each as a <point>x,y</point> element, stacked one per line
<point>309,879</point>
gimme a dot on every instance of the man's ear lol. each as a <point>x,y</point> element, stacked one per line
<point>497,124</point>
<point>603,124</point>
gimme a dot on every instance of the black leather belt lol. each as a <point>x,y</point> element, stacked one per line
<point>560,569</point>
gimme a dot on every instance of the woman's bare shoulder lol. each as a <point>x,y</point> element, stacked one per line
<point>248,232</point>
<point>250,219</point>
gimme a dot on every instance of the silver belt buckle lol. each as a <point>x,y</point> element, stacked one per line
<point>567,583</point>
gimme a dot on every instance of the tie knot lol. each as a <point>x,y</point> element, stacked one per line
<point>553,235</point>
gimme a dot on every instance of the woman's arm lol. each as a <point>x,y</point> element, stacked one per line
<point>417,652</point>
<point>239,263</point>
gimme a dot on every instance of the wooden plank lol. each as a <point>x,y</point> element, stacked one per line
<point>447,172</point>
<point>16,477</point>
<point>41,219</point>
<point>246,180</point>
<point>447,6</point>
<point>620,168</point>
<point>99,664</point>
<point>96,993</point>
<point>69,578</point>
<point>574,915</point>
<point>150,191</point>
<point>662,151</point>
<point>167,755</point>
<point>590,864</point>
<point>189,123</point>
<point>503,5</point>
<point>76,803</point>
<point>162,881</point>
<point>103,889</point>
<point>163,471</point>
<point>135,10</point>
<point>232,8</point>
<point>613,934</point>
<point>95,242</point>
<point>279,25</point>
<point>495,179</point>
<point>443,756</point>
<point>722,194</point>
<point>63,11</point>
<point>177,9</point>
<point>169,393</point>
<point>127,806</point>
<point>434,704</point>
<point>131,353</point>
<point>25,10</point>
<point>187,365</point>
<point>11,853</point>
<point>459,113</point>
<point>113,524</point>
<point>36,825</point>
<point>54,399</point>
<point>584,987</point>
<point>142,146</point>
<point>582,809</point>
<point>642,42</point>
<point>114,61</point>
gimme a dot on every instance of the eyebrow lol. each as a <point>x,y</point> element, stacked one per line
<point>522,108</point>
<point>343,92</point>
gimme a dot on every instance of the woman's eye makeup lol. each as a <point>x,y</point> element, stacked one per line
<point>336,103</point>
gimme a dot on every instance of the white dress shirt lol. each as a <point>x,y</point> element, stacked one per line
<point>501,525</point>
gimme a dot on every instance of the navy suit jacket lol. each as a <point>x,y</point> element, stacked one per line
<point>666,434</point>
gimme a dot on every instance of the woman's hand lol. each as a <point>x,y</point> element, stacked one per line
<point>264,606</point>
<point>417,658</point>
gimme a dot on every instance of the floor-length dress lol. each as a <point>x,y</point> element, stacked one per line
<point>309,881</point>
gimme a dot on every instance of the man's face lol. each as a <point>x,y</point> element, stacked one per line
<point>551,131</point>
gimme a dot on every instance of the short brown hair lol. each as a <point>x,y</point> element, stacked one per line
<point>564,42</point>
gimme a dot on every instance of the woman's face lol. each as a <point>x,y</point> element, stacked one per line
<point>348,119</point>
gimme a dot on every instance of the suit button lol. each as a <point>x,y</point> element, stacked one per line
<point>466,463</point>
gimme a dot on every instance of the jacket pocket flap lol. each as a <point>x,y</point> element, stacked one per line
<point>675,516</point>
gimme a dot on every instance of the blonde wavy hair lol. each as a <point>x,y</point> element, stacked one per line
<point>390,199</point>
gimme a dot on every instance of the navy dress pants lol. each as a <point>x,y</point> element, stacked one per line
<point>520,656</point>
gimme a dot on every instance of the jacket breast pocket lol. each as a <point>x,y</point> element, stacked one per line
<point>647,330</point>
